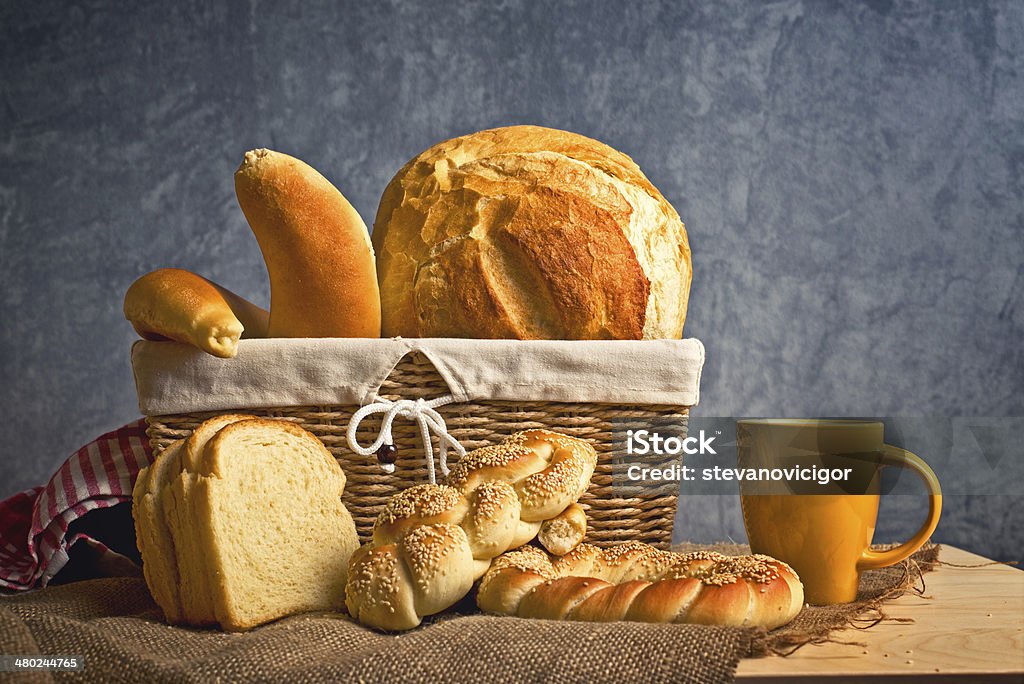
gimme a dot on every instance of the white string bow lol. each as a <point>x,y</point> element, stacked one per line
<point>425,415</point>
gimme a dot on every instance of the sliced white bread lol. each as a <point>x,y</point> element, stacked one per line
<point>271,525</point>
<point>153,536</point>
<point>194,583</point>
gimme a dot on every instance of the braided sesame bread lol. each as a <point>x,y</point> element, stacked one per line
<point>640,583</point>
<point>431,542</point>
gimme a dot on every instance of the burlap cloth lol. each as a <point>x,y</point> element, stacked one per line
<point>114,624</point>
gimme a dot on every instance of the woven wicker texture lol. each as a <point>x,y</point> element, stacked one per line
<point>612,517</point>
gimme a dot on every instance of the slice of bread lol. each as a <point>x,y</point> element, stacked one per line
<point>152,534</point>
<point>195,586</point>
<point>271,527</point>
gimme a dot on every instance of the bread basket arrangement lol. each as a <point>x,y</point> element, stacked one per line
<point>490,406</point>
<point>522,233</point>
<point>470,376</point>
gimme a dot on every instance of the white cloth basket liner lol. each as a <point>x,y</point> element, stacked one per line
<point>176,378</point>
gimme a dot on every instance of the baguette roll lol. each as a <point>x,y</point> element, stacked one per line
<point>173,304</point>
<point>323,281</point>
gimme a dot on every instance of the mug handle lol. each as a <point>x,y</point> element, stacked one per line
<point>895,456</point>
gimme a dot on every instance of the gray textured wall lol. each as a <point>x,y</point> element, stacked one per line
<point>851,175</point>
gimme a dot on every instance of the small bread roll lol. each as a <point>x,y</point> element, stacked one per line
<point>172,304</point>
<point>323,281</point>
<point>564,532</point>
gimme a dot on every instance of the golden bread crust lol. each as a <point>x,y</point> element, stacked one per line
<point>637,582</point>
<point>178,305</point>
<point>441,538</point>
<point>533,233</point>
<point>323,281</point>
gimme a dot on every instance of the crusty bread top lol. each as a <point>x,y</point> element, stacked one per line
<point>529,232</point>
<point>525,140</point>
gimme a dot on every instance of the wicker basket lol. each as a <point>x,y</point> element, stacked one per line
<point>647,517</point>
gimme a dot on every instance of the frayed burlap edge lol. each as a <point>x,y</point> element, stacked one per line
<point>816,624</point>
<point>116,627</point>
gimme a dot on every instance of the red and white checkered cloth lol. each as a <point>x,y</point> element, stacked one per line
<point>34,540</point>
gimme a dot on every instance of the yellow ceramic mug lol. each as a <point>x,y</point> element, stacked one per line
<point>824,531</point>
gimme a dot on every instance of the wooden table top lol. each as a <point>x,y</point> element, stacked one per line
<point>971,629</point>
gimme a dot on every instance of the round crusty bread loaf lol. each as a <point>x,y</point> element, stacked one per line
<point>529,233</point>
<point>640,583</point>
<point>432,541</point>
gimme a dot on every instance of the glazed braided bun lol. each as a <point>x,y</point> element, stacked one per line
<point>431,542</point>
<point>637,582</point>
